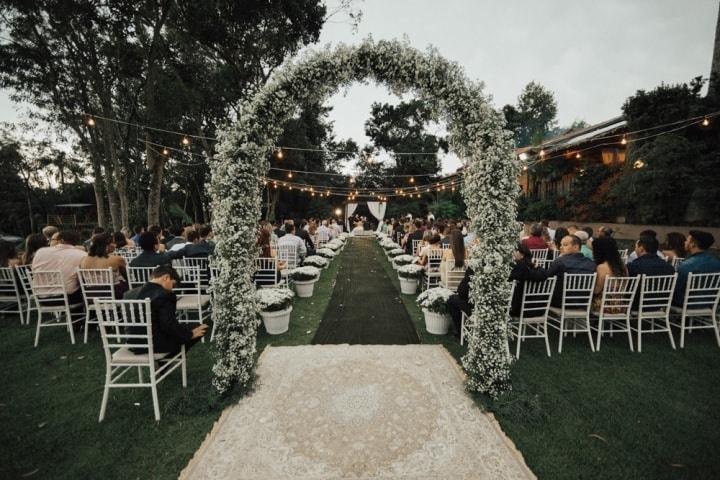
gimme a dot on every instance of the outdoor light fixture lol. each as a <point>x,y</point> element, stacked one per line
<point>412,179</point>
<point>338,212</point>
<point>91,122</point>
<point>279,154</point>
<point>624,140</point>
<point>165,151</point>
<point>542,153</point>
<point>186,141</point>
<point>578,156</point>
<point>705,122</point>
<point>289,174</point>
<point>523,156</point>
<point>638,164</point>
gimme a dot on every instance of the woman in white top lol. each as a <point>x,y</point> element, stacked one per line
<point>453,257</point>
<point>101,247</point>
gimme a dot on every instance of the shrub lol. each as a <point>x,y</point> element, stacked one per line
<point>315,261</point>
<point>401,260</point>
<point>395,252</point>
<point>435,299</point>
<point>304,274</point>
<point>411,271</point>
<point>326,253</point>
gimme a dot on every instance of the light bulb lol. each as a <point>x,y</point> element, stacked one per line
<point>705,122</point>
<point>289,174</point>
<point>279,154</point>
<point>623,141</point>
<point>186,141</point>
<point>412,179</point>
<point>165,151</point>
<point>91,122</point>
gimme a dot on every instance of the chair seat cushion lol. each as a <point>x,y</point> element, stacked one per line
<point>125,355</point>
<point>569,312</point>
<point>188,302</point>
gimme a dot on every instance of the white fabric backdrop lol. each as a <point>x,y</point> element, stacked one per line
<point>349,210</point>
<point>378,211</point>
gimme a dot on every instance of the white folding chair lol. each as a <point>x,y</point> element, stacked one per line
<point>266,273</point>
<point>323,237</point>
<point>126,324</point>
<point>25,274</point>
<point>193,306</point>
<point>203,263</point>
<point>574,314</point>
<point>288,254</point>
<point>10,298</point>
<point>539,256</point>
<point>676,261</point>
<point>656,294</point>
<point>534,312</point>
<point>95,283</point>
<point>48,289</point>
<point>615,306</point>
<point>129,254</point>
<point>139,276</point>
<point>623,254</point>
<point>432,272</point>
<point>415,249</point>
<point>453,275</point>
<point>700,305</point>
<point>465,320</point>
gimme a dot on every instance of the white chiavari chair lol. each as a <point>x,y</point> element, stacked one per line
<point>10,298</point>
<point>139,276</point>
<point>126,325</point>
<point>25,275</point>
<point>700,305</point>
<point>432,272</point>
<point>615,307</point>
<point>540,256</point>
<point>193,304</point>
<point>573,316</point>
<point>95,283</point>
<point>288,255</point>
<point>656,294</point>
<point>534,312</point>
<point>51,297</point>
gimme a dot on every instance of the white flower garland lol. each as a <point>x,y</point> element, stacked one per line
<point>475,134</point>
<point>326,252</point>
<point>315,261</point>
<point>403,260</point>
<point>271,299</point>
<point>410,271</point>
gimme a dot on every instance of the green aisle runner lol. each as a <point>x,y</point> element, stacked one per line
<point>365,307</point>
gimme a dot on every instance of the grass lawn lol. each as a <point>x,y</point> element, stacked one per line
<point>50,401</point>
<point>612,414</point>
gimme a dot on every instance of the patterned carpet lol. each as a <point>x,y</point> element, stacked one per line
<point>363,412</point>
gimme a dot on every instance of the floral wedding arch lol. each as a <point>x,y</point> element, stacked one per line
<point>475,133</point>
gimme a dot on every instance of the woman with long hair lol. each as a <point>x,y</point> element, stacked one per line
<point>523,270</point>
<point>609,264</point>
<point>33,243</point>
<point>98,256</point>
<point>453,257</point>
<point>674,246</point>
<point>263,242</point>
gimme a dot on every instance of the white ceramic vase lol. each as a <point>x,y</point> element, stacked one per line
<point>436,323</point>
<point>305,288</point>
<point>408,286</point>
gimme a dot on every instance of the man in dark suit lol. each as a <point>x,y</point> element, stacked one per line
<point>571,260</point>
<point>647,261</point>
<point>204,248</point>
<point>168,335</point>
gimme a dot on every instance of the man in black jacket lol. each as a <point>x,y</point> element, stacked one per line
<point>168,335</point>
<point>460,302</point>
<point>647,261</point>
<point>569,261</point>
<point>416,235</point>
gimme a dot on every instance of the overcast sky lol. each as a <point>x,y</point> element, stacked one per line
<point>591,54</point>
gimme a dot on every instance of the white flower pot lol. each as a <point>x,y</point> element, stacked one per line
<point>436,323</point>
<point>305,289</point>
<point>276,322</point>
<point>408,286</point>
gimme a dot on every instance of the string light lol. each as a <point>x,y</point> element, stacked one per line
<point>412,179</point>
<point>185,141</point>
<point>542,153</point>
<point>638,164</point>
<point>290,175</point>
<point>705,122</point>
<point>165,151</point>
<point>279,154</point>
<point>624,140</point>
<point>578,156</point>
<point>91,122</point>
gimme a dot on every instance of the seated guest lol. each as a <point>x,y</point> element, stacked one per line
<point>453,257</point>
<point>139,230</point>
<point>150,256</point>
<point>297,244</point>
<point>569,261</point>
<point>674,246</point>
<point>99,257</point>
<point>424,244</point>
<point>699,260</point>
<point>324,232</point>
<point>645,233</point>
<point>523,270</point>
<point>189,236</point>
<point>603,231</point>
<point>203,248</point>
<point>48,232</point>
<point>33,243</point>
<point>266,252</point>
<point>97,230</point>
<point>65,257</point>
<point>446,231</point>
<point>119,240</point>
<point>647,261</point>
<point>279,230</point>
<point>609,264</point>
<point>460,301</point>
<point>8,255</point>
<point>168,335</point>
<point>433,246</point>
<point>305,237</point>
<point>535,241</point>
<point>584,239</point>
<point>416,234</point>
<point>560,233</point>
<point>128,237</point>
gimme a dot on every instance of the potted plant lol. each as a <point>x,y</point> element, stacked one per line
<point>401,260</point>
<point>409,276</point>
<point>326,253</point>
<point>316,261</point>
<point>395,252</point>
<point>433,302</point>
<point>275,308</point>
<point>304,279</point>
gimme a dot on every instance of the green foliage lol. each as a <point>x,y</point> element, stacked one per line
<point>445,208</point>
<point>588,199</point>
<point>534,116</point>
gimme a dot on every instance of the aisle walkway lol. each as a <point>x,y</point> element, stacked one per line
<point>365,307</point>
<point>367,412</point>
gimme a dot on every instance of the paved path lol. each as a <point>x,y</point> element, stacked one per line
<point>365,307</point>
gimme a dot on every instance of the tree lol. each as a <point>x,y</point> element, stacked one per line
<point>534,116</point>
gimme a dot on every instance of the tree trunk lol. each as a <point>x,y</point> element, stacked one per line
<point>156,164</point>
<point>714,86</point>
<point>99,192</point>
<point>113,201</point>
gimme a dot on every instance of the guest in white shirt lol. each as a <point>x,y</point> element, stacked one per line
<point>64,257</point>
<point>335,227</point>
<point>293,240</point>
<point>324,233</point>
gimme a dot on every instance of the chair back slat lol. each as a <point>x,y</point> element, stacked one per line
<point>190,281</point>
<point>124,323</point>
<point>288,254</point>
<point>96,283</point>
<point>656,293</point>
<point>676,261</point>
<point>265,271</point>
<point>8,286</point>
<point>415,244</point>
<point>703,291</point>
<point>434,259</point>
<point>203,264</point>
<point>536,298</point>
<point>139,276</point>
<point>618,295</point>
<point>48,288</point>
<point>578,291</point>
<point>454,275</point>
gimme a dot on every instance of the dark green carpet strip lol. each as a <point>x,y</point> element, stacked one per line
<point>365,307</point>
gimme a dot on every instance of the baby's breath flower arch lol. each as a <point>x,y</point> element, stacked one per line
<point>476,134</point>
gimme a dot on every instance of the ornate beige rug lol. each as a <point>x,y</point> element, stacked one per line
<point>362,412</point>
